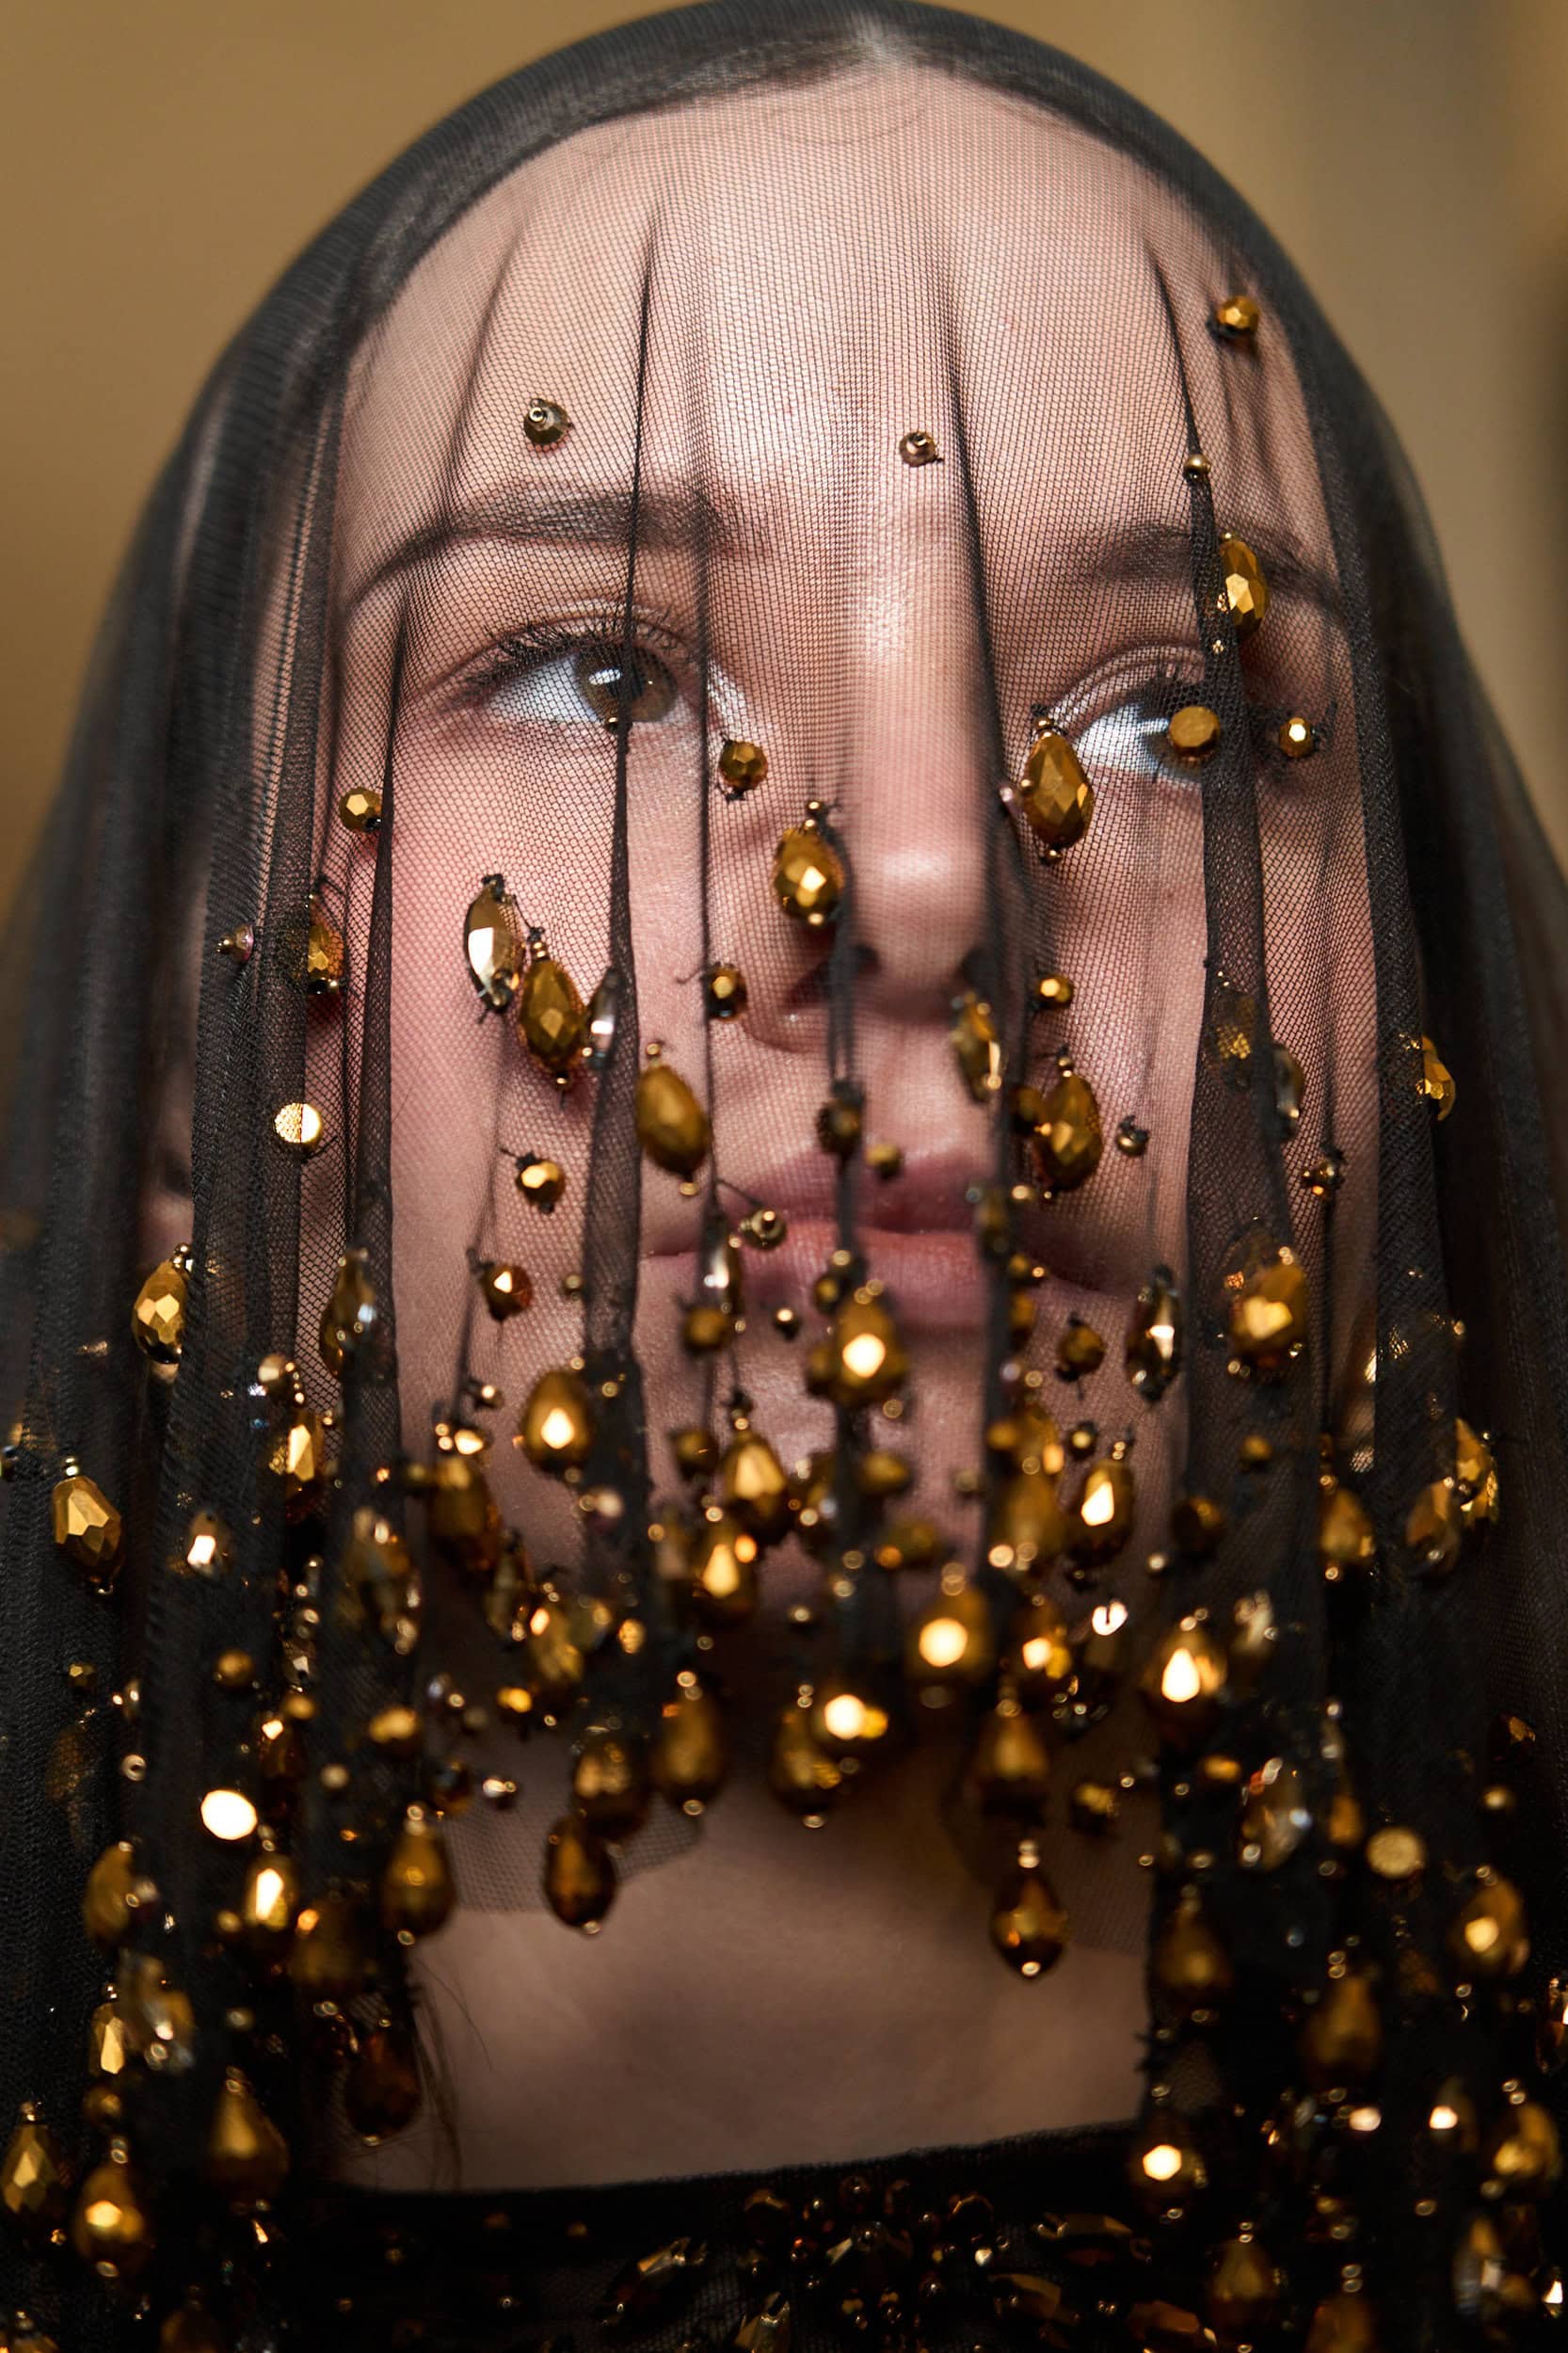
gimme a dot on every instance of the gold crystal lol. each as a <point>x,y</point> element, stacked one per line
<point>1268,1314</point>
<point>1008,1769</point>
<point>752,1485</point>
<point>1341,2041</point>
<point>1396,1852</point>
<point>418,1891</point>
<point>493,944</point>
<point>329,1961</point>
<point>724,1571</point>
<point>610,1784</point>
<point>1069,1140</point>
<point>867,1359</point>
<point>381,2090</point>
<point>1344,2323</point>
<point>108,1898</point>
<point>1152,1349</point>
<point>269,1901</point>
<point>725,992</point>
<point>311,949</point>
<point>298,1127</point>
<point>1194,732</point>
<point>1053,792</point>
<point>1434,1526</point>
<point>976,1046</point>
<point>1436,1082</point>
<point>350,1314</point>
<point>1298,738</point>
<point>1489,1939</point>
<point>552,1020</point>
<point>158,1314</point>
<point>541,1182</point>
<point>1347,1542</point>
<point>1028,1523</point>
<point>298,1457</point>
<point>111,2228</point>
<point>247,2155</point>
<point>360,810</point>
<point>1237,317</point>
<point>33,2187</point>
<point>87,1526</point>
<point>1181,1684</point>
<point>379,1580</point>
<point>1475,1476</point>
<point>505,1288</point>
<point>742,765</point>
<point>1244,2288</point>
<point>546,424</point>
<point>1167,2170</point>
<point>1274,1815</point>
<point>808,876</point>
<point>1029,1926</point>
<point>557,1428</point>
<point>690,1757</point>
<point>1102,1516</point>
<point>1524,2157</point>
<point>1192,1968</point>
<point>951,1643</point>
<point>802,1774</point>
<point>1080,1351</point>
<point>1245,590</point>
<point>672,1126</point>
<point>579,1874</point>
<point>1040,1661</point>
<point>919,448</point>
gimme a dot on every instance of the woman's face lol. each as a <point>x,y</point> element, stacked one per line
<point>744,308</point>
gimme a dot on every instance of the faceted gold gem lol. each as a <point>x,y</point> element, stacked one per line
<point>1246,591</point>
<point>1244,2288</point>
<point>1341,2041</point>
<point>1275,1816</point>
<point>1079,1350</point>
<point>493,944</point>
<point>1029,1926</point>
<point>552,1021</point>
<point>1194,732</point>
<point>868,1360</point>
<point>546,424</point>
<point>724,1571</point>
<point>350,1314</point>
<point>360,810</point>
<point>1197,1525</point>
<point>1524,2157</point>
<point>557,1424</point>
<point>1268,1314</point>
<point>743,766</point>
<point>298,1458</point>
<point>1009,1770</point>
<point>1166,2169</point>
<point>808,876</point>
<point>505,1288</point>
<point>381,2090</point>
<point>919,448</point>
<point>541,1182</point>
<point>801,1773</point>
<point>300,1128</point>
<point>378,1573</point>
<point>310,949</point>
<point>951,1643</point>
<point>976,1046</point>
<point>1027,1524</point>
<point>1053,792</point>
<point>109,1896</point>
<point>1152,1348</point>
<point>1102,1516</point>
<point>610,1784</point>
<point>1053,989</point>
<point>1475,1476</point>
<point>1489,1939</point>
<point>724,993</point>
<point>752,1485</point>
<point>158,1314</point>
<point>672,1126</point>
<point>1346,1540</point>
<point>1436,1081</point>
<point>247,2155</point>
<point>1069,1140</point>
<point>1434,1526</point>
<point>86,1528</point>
<point>1182,1682</point>
<point>111,2228</point>
<point>1344,2323</point>
<point>1192,1968</point>
<point>329,1959</point>
<point>1040,1662</point>
<point>269,1901</point>
<point>34,2187</point>
<point>1237,317</point>
<point>418,1891</point>
<point>1297,738</point>
<point>690,1759</point>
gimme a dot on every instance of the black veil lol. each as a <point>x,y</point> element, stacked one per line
<point>255,1577</point>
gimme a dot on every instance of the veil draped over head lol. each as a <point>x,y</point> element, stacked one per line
<point>781,795</point>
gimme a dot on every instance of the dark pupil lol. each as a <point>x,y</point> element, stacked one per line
<point>649,689</point>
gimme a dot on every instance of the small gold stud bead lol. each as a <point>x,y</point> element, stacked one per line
<point>1235,319</point>
<point>1194,732</point>
<point>919,448</point>
<point>546,424</point>
<point>1298,738</point>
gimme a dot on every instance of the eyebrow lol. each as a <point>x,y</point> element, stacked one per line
<point>684,516</point>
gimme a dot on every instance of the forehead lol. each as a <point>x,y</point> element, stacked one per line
<point>771,288</point>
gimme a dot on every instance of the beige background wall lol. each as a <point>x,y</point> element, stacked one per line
<point>160,161</point>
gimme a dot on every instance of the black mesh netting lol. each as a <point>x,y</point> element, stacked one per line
<point>727,476</point>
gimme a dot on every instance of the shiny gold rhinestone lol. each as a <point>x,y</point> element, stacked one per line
<point>1194,732</point>
<point>1053,792</point>
<point>552,1021</point>
<point>1054,991</point>
<point>1069,1140</point>
<point>546,424</point>
<point>418,1892</point>
<point>610,1785</point>
<point>493,944</point>
<point>158,1311</point>
<point>247,2155</point>
<point>1436,1081</point>
<point>299,1129</point>
<point>1182,1682</point>
<point>360,810</point>
<point>808,876</point>
<point>1236,317</point>
<point>919,448</point>
<point>672,1126</point>
<point>1152,1345</point>
<point>541,1182</point>
<point>86,1528</point>
<point>505,1288</point>
<point>1102,1516</point>
<point>1268,1314</point>
<point>557,1425</point>
<point>1347,1544</point>
<point>690,1756</point>
<point>1244,588</point>
<point>976,1046</point>
<point>725,992</point>
<point>111,2226</point>
<point>1297,738</point>
<point>351,1312</point>
<point>743,766</point>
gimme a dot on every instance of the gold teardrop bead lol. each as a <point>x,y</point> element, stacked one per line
<point>801,1773</point>
<point>1192,1968</point>
<point>86,1528</point>
<point>462,1515</point>
<point>34,2185</point>
<point>1245,590</point>
<point>1341,2041</point>
<point>690,1757</point>
<point>743,766</point>
<point>610,1784</point>
<point>1080,1351</point>
<point>505,1288</point>
<point>351,1312</point>
<point>556,1428</point>
<point>1489,1939</point>
<point>269,1901</point>
<point>552,1020</point>
<point>724,1571</point>
<point>298,1458</point>
<point>1347,1542</point>
<point>1344,2323</point>
<point>579,1874</point>
<point>247,2155</point>
<point>1275,1816</point>
<point>1040,1662</point>
<point>541,1182</point>
<point>158,1312</point>
<point>867,1359</point>
<point>1152,1347</point>
<point>1029,1926</point>
<point>977,1048</point>
<point>1244,2288</point>
<point>1009,1770</point>
<point>1053,792</point>
<point>108,1898</point>
<point>1475,1475</point>
<point>808,876</point>
<point>381,2090</point>
<point>951,1643</point>
<point>109,2047</point>
<point>752,1485</point>
<point>1268,1315</point>
<point>1103,1515</point>
<point>359,808</point>
<point>493,944</point>
<point>329,1958</point>
<point>378,1573</point>
<point>1180,1685</point>
<point>1437,1082</point>
<point>320,954</point>
<point>191,2330</point>
<point>112,2225</point>
<point>847,1718</point>
<point>1434,1526</point>
<point>1069,1140</point>
<point>418,1892</point>
<point>672,1126</point>
<point>1524,2157</point>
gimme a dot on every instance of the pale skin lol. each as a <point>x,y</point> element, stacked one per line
<point>831,266</point>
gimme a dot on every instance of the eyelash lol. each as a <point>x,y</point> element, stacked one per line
<point>1154,691</point>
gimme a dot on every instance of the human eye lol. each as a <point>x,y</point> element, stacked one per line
<point>549,676</point>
